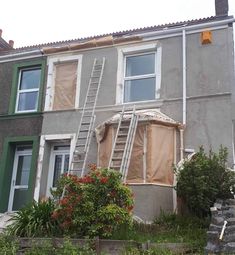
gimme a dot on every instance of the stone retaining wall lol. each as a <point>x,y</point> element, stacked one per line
<point>223,214</point>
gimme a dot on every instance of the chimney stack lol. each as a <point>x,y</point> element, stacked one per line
<point>11,43</point>
<point>0,33</point>
<point>221,7</point>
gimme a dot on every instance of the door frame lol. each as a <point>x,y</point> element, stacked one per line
<point>26,152</point>
<point>51,169</point>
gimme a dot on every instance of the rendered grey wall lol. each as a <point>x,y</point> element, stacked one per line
<point>209,81</point>
<point>150,200</point>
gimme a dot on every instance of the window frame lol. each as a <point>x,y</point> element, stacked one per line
<point>19,91</point>
<point>137,50</point>
<point>16,81</point>
<point>50,87</point>
<point>51,169</point>
<point>138,77</point>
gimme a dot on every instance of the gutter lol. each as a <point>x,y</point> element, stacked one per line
<point>169,30</point>
<point>21,55</point>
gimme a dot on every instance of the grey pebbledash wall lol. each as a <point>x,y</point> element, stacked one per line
<point>209,80</point>
<point>209,110</point>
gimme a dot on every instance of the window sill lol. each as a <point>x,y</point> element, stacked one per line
<point>21,115</point>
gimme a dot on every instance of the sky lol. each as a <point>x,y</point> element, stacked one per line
<point>30,22</point>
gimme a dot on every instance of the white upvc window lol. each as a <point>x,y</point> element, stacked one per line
<point>59,164</point>
<point>28,90</point>
<point>139,73</point>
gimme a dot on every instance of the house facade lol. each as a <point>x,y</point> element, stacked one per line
<point>179,77</point>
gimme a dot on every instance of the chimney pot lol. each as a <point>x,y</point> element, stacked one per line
<point>11,43</point>
<point>0,33</point>
<point>221,7</point>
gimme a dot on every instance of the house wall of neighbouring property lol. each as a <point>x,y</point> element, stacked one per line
<point>28,124</point>
<point>16,129</point>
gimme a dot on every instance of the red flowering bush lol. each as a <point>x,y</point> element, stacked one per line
<point>94,205</point>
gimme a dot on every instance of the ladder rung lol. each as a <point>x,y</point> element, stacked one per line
<point>77,161</point>
<point>123,135</point>
<point>117,158</point>
<point>120,142</point>
<point>85,123</point>
<point>76,170</point>
<point>80,145</point>
<point>118,150</point>
<point>118,167</point>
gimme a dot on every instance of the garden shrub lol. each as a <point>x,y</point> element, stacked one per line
<point>204,179</point>
<point>93,205</point>
<point>34,220</point>
<point>8,246</point>
<point>67,248</point>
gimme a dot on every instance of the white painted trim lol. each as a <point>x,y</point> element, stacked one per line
<point>39,168</point>
<point>43,140</point>
<point>233,145</point>
<point>51,61</point>
<point>145,156</point>
<point>175,206</point>
<point>143,48</point>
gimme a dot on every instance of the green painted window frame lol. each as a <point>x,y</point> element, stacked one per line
<point>16,72</point>
<point>6,167</point>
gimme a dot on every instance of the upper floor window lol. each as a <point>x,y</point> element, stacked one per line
<point>27,87</point>
<point>28,90</point>
<point>139,73</point>
<point>140,77</point>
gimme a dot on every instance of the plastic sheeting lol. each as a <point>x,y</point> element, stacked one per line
<point>152,155</point>
<point>144,115</point>
<point>160,154</point>
<point>65,85</point>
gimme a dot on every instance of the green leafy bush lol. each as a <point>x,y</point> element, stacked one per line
<point>67,248</point>
<point>95,205</point>
<point>34,220</point>
<point>8,246</point>
<point>203,179</point>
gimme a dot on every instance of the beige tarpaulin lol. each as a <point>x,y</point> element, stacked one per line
<point>160,154</point>
<point>153,150</point>
<point>65,85</point>
<point>105,148</point>
<point>136,167</point>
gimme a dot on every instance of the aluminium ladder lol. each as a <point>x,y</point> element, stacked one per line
<point>123,143</point>
<point>86,126</point>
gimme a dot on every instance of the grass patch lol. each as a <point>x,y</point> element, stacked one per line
<point>169,228</point>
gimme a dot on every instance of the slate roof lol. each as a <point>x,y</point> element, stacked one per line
<point>120,33</point>
<point>4,45</point>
